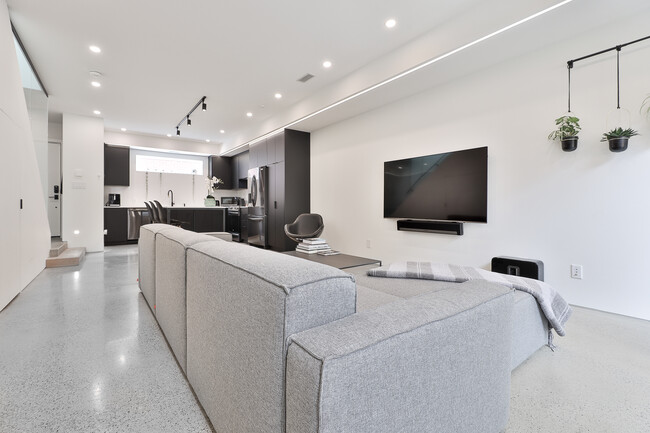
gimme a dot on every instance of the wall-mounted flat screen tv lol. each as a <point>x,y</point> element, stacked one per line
<point>448,186</point>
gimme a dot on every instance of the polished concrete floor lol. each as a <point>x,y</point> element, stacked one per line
<point>80,351</point>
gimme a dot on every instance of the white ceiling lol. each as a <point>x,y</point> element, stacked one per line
<point>159,57</point>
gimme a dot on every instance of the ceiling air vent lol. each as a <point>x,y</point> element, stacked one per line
<point>306,78</point>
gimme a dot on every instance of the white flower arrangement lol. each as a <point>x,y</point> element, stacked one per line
<point>212,184</point>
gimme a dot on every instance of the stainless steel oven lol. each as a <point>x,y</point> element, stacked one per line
<point>236,223</point>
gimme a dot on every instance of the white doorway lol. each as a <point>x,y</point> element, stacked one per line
<point>54,188</point>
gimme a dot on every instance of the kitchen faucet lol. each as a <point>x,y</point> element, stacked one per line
<point>172,193</point>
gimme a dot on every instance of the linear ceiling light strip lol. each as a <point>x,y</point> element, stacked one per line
<point>400,75</point>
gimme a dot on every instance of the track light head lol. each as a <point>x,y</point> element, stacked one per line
<point>178,131</point>
<point>204,106</point>
<point>189,122</point>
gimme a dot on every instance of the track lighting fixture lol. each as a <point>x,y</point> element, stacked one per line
<point>186,118</point>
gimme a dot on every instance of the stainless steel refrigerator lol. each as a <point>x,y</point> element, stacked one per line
<point>258,194</point>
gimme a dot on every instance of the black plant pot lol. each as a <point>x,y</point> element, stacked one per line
<point>569,144</point>
<point>618,144</point>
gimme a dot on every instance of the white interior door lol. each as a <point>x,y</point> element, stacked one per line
<point>54,188</point>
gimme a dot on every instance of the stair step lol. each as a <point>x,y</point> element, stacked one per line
<point>57,248</point>
<point>69,257</point>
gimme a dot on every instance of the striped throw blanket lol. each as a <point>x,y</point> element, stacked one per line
<point>554,307</point>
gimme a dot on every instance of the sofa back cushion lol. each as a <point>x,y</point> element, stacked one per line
<point>171,271</point>
<point>243,303</point>
<point>147,260</point>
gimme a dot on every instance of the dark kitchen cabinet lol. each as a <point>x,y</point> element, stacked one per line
<point>258,154</point>
<point>200,219</point>
<point>275,222</point>
<point>275,149</point>
<point>289,194</point>
<point>186,216</point>
<point>209,220</point>
<point>117,161</point>
<point>221,167</point>
<point>240,171</point>
<point>115,225</point>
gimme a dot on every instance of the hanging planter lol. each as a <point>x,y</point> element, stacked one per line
<point>567,132</point>
<point>645,107</point>
<point>618,138</point>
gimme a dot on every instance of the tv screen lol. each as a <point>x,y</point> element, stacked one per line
<point>448,186</point>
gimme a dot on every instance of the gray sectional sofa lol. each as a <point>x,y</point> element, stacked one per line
<point>272,343</point>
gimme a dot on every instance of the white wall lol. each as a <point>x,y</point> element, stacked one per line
<point>82,166</point>
<point>587,207</point>
<point>24,233</point>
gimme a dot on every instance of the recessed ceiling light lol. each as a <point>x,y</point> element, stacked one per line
<point>95,49</point>
<point>278,96</point>
<point>222,131</point>
<point>249,114</point>
<point>96,84</point>
<point>97,112</point>
<point>390,23</point>
<point>169,135</point>
<point>123,129</point>
<point>327,64</point>
<point>207,140</point>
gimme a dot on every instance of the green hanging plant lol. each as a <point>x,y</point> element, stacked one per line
<point>567,131</point>
<point>618,138</point>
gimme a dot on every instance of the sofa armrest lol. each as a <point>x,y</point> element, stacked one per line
<point>436,362</point>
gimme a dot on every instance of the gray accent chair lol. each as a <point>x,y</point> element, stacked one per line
<point>306,226</point>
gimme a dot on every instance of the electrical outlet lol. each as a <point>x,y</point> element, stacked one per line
<point>576,271</point>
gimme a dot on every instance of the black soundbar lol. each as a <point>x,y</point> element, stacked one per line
<point>443,227</point>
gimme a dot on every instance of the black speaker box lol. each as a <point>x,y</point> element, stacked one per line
<point>521,267</point>
<point>444,227</point>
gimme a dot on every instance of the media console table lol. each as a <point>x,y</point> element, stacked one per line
<point>341,261</point>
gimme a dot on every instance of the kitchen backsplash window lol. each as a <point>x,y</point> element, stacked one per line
<point>159,164</point>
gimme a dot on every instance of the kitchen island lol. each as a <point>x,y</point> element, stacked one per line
<point>199,219</point>
<point>122,223</point>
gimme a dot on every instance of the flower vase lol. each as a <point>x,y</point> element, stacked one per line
<point>210,201</point>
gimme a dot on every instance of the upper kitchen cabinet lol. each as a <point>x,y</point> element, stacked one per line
<point>221,167</point>
<point>275,148</point>
<point>240,171</point>
<point>116,165</point>
<point>258,154</point>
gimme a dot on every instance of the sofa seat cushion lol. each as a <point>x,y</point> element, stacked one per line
<point>530,327</point>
